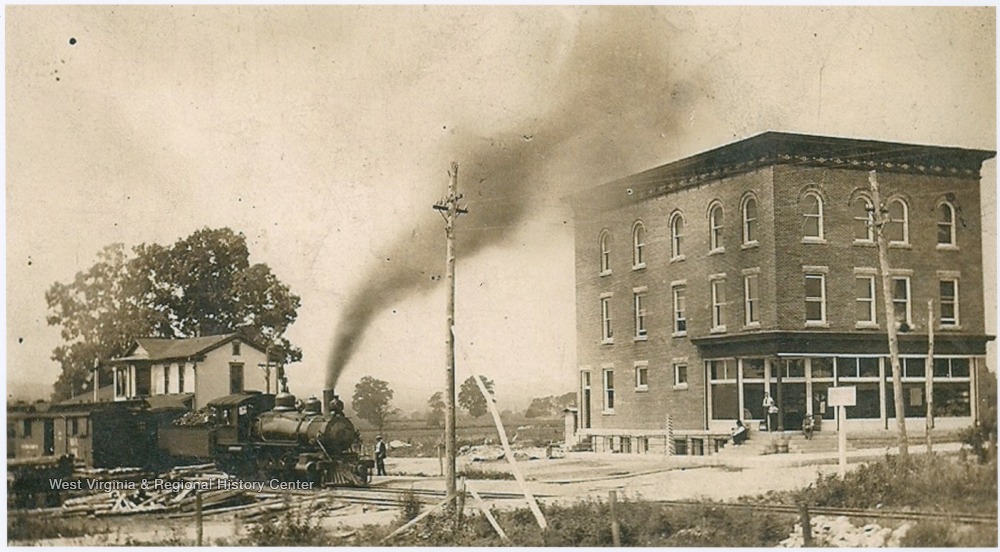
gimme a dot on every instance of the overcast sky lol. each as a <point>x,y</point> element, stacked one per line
<point>324,135</point>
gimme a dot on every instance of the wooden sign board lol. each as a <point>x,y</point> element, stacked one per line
<point>842,396</point>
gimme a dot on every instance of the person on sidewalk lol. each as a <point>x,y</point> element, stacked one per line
<point>381,451</point>
<point>770,410</point>
<point>740,433</point>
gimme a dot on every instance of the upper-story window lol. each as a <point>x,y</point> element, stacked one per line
<point>812,216</point>
<point>718,283</point>
<point>946,224</point>
<point>605,242</point>
<point>815,297</point>
<point>680,318</point>
<point>897,226</point>
<point>607,335</point>
<point>949,301</point>
<point>639,312</point>
<point>861,209</point>
<point>751,299</point>
<point>715,224</point>
<point>638,245</point>
<point>236,348</point>
<point>864,292</point>
<point>676,236</point>
<point>609,390</point>
<point>901,299</point>
<point>749,220</point>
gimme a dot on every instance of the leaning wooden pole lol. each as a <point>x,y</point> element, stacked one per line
<point>530,498</point>
<point>881,220</point>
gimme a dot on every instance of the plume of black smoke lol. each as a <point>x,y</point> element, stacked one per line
<point>612,103</point>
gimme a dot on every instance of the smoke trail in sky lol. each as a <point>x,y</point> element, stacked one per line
<point>615,93</point>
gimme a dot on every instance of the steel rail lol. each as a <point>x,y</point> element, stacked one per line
<point>846,512</point>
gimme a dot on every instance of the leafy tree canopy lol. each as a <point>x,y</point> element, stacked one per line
<point>551,406</point>
<point>436,405</point>
<point>203,284</point>
<point>371,401</point>
<point>471,399</point>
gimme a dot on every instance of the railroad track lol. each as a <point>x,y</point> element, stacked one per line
<point>909,515</point>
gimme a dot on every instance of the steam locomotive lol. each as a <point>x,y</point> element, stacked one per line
<point>263,436</point>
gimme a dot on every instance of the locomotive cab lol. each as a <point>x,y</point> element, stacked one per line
<point>234,416</point>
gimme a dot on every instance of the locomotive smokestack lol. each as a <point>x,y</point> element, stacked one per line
<point>328,396</point>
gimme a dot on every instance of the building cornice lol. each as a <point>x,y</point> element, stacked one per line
<point>771,149</point>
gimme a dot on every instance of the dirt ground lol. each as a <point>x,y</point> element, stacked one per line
<point>575,476</point>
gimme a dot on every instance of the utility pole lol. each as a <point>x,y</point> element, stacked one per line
<point>450,210</point>
<point>929,375</point>
<point>880,218</point>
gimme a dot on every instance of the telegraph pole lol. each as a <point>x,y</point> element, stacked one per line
<point>881,219</point>
<point>929,375</point>
<point>450,210</point>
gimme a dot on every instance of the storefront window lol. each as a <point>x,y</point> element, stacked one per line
<point>868,367</point>
<point>951,400</point>
<point>868,402</point>
<point>725,401</point>
<point>822,367</point>
<point>753,368</point>
<point>753,400</point>
<point>914,400</point>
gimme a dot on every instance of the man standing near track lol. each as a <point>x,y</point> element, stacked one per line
<point>380,453</point>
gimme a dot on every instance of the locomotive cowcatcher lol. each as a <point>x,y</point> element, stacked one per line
<point>263,436</point>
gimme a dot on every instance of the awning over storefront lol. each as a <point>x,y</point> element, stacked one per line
<point>827,343</point>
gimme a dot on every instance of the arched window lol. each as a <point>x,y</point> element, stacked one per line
<point>897,228</point>
<point>861,209</point>
<point>946,224</point>
<point>812,213</point>
<point>715,223</point>
<point>605,252</point>
<point>638,245</point>
<point>676,236</point>
<point>749,220</point>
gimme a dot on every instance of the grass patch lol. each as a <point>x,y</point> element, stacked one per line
<point>478,473</point>
<point>28,527</point>
<point>922,482</point>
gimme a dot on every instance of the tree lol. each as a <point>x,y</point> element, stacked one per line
<point>551,406</point>
<point>371,401</point>
<point>201,285</point>
<point>436,416</point>
<point>471,399</point>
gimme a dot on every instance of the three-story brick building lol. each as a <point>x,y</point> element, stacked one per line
<point>753,268</point>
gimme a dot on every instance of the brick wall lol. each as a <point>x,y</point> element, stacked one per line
<point>647,409</point>
<point>842,255</point>
<point>780,255</point>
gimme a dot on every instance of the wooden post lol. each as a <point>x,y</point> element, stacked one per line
<point>842,440</point>
<point>489,515</point>
<point>929,375</point>
<point>440,460</point>
<point>881,219</point>
<point>616,537</point>
<point>807,536</point>
<point>417,519</point>
<point>199,528</point>
<point>460,501</point>
<point>539,517</point>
